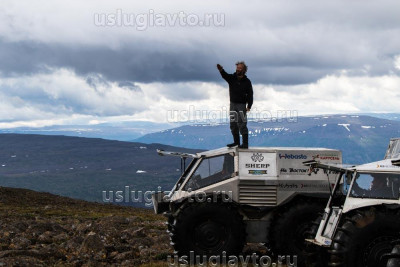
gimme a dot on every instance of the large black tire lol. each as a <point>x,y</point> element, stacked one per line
<point>291,228</point>
<point>208,229</point>
<point>362,238</point>
<point>315,256</point>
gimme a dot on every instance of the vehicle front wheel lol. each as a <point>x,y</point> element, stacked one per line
<point>208,229</point>
<point>292,227</point>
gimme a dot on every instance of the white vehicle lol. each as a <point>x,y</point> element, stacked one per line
<point>361,222</point>
<point>229,196</point>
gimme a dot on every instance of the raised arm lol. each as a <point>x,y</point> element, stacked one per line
<point>227,77</point>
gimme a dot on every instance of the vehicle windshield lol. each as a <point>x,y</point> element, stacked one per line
<point>211,171</point>
<point>347,177</point>
<point>340,192</point>
<point>185,173</point>
<point>376,185</point>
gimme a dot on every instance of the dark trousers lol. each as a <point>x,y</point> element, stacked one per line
<point>238,119</point>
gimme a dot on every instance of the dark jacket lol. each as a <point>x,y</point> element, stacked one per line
<point>240,91</point>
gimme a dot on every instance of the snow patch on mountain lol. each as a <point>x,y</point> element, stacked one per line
<point>345,125</point>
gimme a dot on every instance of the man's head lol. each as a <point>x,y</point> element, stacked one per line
<point>241,68</point>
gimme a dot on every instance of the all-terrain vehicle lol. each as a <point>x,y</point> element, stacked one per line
<point>361,222</point>
<point>230,196</point>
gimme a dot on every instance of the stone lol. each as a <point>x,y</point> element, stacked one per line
<point>92,244</point>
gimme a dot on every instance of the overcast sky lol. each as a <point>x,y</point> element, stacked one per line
<point>69,62</point>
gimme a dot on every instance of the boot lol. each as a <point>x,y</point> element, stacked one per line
<point>236,141</point>
<point>245,138</point>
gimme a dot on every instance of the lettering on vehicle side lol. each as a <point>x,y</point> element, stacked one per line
<point>288,186</point>
<point>303,186</point>
<point>386,166</point>
<point>257,165</point>
<point>295,171</point>
<point>326,157</point>
<point>292,156</point>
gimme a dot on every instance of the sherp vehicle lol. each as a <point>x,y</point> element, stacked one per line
<point>229,196</point>
<point>361,222</point>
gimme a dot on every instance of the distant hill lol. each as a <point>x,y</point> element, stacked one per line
<point>85,167</point>
<point>389,116</point>
<point>361,138</point>
<point>121,131</point>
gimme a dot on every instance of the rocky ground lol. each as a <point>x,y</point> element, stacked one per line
<point>41,229</point>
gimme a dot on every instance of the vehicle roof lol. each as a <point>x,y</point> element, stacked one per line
<point>224,150</point>
<point>379,166</point>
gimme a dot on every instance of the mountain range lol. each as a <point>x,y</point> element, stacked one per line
<point>131,130</point>
<point>361,138</point>
<point>121,131</point>
<point>97,169</point>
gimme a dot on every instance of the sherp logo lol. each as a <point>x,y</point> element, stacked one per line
<point>257,157</point>
<point>292,156</point>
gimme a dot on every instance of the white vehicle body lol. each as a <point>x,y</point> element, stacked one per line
<point>258,180</point>
<point>264,176</point>
<point>358,184</point>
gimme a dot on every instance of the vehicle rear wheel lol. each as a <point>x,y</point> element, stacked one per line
<point>208,229</point>
<point>292,227</point>
<point>363,238</point>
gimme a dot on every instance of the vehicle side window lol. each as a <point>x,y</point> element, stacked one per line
<point>376,185</point>
<point>210,171</point>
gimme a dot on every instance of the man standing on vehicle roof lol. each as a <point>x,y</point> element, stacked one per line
<point>240,94</point>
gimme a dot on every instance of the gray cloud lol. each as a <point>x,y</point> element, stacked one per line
<point>183,91</point>
<point>94,80</point>
<point>283,43</point>
<point>126,64</point>
<point>62,92</point>
<point>130,85</point>
<point>191,64</point>
<point>57,64</point>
